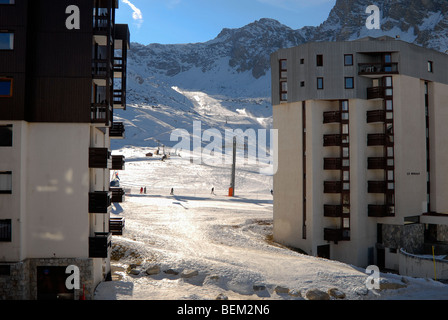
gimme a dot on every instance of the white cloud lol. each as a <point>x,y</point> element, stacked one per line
<point>137,14</point>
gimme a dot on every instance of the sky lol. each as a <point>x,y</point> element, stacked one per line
<point>192,21</point>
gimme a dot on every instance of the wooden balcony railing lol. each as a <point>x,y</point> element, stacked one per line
<point>100,245</point>
<point>117,195</point>
<point>376,116</point>
<point>117,130</point>
<point>376,163</point>
<point>100,202</point>
<point>376,139</point>
<point>376,187</point>
<point>117,226</point>
<point>380,211</point>
<point>101,113</point>
<point>100,158</point>
<point>332,140</point>
<point>332,163</point>
<point>332,117</point>
<point>376,93</point>
<point>333,211</point>
<point>333,234</point>
<point>377,68</point>
<point>332,186</point>
<point>118,162</point>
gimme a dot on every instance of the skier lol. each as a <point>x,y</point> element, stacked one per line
<point>141,190</point>
<point>272,192</point>
<point>213,191</point>
<point>144,190</point>
<point>172,191</point>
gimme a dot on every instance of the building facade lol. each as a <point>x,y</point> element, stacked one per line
<point>58,88</point>
<point>363,152</point>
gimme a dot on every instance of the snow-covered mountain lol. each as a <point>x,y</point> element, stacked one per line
<point>233,69</point>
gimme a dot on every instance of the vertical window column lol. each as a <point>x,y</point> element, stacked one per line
<point>283,80</point>
<point>345,169</point>
<point>304,169</point>
<point>389,146</point>
<point>428,168</point>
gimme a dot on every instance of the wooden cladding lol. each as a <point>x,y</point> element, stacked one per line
<point>118,162</point>
<point>117,226</point>
<point>117,195</point>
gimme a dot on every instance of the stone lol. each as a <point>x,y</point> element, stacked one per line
<point>222,296</point>
<point>134,272</point>
<point>316,294</point>
<point>336,293</point>
<point>171,271</point>
<point>294,293</point>
<point>362,291</point>
<point>152,270</point>
<point>189,273</point>
<point>281,290</point>
<point>259,287</point>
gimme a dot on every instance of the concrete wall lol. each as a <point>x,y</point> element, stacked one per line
<point>57,190</point>
<point>415,266</point>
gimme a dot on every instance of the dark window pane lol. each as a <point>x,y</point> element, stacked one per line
<point>6,136</point>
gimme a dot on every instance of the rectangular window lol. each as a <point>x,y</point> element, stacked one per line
<point>348,59</point>
<point>430,66</point>
<point>6,182</point>
<point>320,83</point>
<point>6,136</point>
<point>283,69</point>
<point>6,87</point>
<point>302,61</point>
<point>5,230</point>
<point>302,83</point>
<point>349,83</point>
<point>6,40</point>
<point>319,60</point>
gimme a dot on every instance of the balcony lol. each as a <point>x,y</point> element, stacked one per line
<point>117,195</point>
<point>116,226</point>
<point>100,158</point>
<point>101,113</point>
<point>100,202</point>
<point>332,163</point>
<point>376,116</point>
<point>117,130</point>
<point>380,211</point>
<point>376,139</point>
<point>119,99</point>
<point>376,93</point>
<point>333,234</point>
<point>332,117</point>
<point>118,162</point>
<point>100,245</point>
<point>101,68</point>
<point>376,163</point>
<point>331,140</point>
<point>332,211</point>
<point>377,68</point>
<point>376,187</point>
<point>332,186</point>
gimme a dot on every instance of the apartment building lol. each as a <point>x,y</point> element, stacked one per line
<point>363,149</point>
<point>58,89</point>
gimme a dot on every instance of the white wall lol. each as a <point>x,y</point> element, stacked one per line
<point>57,189</point>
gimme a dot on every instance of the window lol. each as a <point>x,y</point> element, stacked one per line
<point>283,69</point>
<point>6,182</point>
<point>302,83</point>
<point>7,1</point>
<point>348,59</point>
<point>349,83</point>
<point>302,61</point>
<point>5,230</point>
<point>5,87</point>
<point>283,91</point>
<point>319,60</point>
<point>430,66</point>
<point>320,83</point>
<point>6,40</point>
<point>6,136</point>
